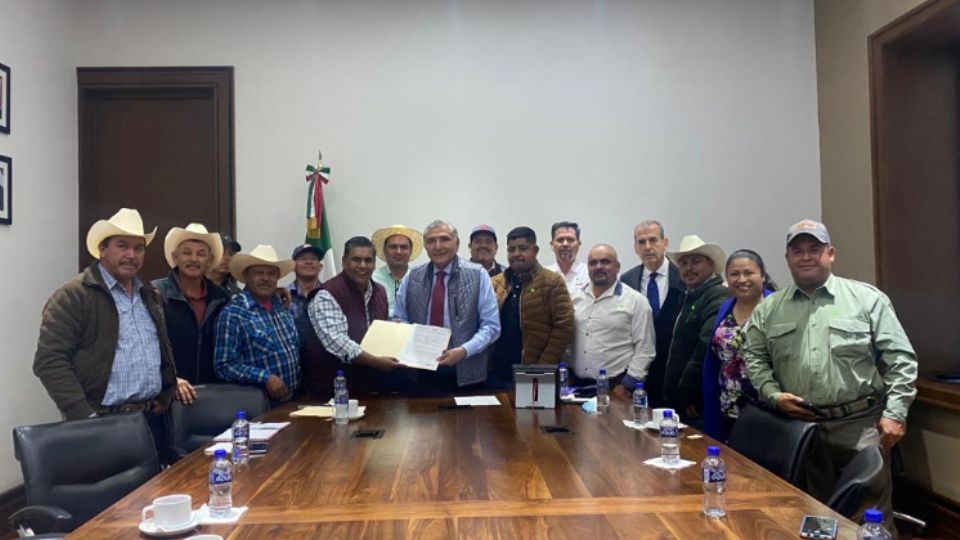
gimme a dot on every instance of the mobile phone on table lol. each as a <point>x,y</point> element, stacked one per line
<point>819,527</point>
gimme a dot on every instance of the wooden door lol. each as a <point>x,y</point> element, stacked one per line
<point>159,140</point>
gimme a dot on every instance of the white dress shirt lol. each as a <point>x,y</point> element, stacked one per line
<point>614,332</point>
<point>576,278</point>
<point>662,280</point>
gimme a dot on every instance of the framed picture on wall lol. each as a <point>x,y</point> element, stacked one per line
<point>6,190</point>
<point>4,98</point>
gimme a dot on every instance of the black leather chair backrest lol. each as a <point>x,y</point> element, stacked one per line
<point>213,411</point>
<point>84,466</point>
<point>861,482</point>
<point>779,444</point>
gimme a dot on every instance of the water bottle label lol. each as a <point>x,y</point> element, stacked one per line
<point>667,431</point>
<point>640,402</point>
<point>241,432</point>
<point>714,476</point>
<point>220,477</point>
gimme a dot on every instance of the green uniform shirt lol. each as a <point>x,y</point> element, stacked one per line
<point>839,344</point>
<point>383,276</point>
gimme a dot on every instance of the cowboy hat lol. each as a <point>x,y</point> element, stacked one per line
<point>380,236</point>
<point>694,244</point>
<point>126,222</point>
<point>193,231</point>
<point>262,255</point>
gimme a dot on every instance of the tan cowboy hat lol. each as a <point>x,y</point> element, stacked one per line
<point>380,237</point>
<point>126,222</point>
<point>694,244</point>
<point>193,231</point>
<point>262,255</point>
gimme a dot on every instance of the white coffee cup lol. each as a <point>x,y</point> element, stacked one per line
<point>658,415</point>
<point>205,537</point>
<point>353,408</point>
<point>170,512</point>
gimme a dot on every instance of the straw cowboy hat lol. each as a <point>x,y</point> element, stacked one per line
<point>193,231</point>
<point>694,244</point>
<point>416,239</point>
<point>126,222</point>
<point>262,255</point>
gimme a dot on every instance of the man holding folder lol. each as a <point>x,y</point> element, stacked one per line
<point>456,294</point>
<point>340,313</point>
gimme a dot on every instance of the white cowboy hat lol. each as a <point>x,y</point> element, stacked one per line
<point>694,244</point>
<point>193,231</point>
<point>126,222</point>
<point>380,237</point>
<point>262,255</point>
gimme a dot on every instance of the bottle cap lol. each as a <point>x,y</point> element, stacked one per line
<point>668,414</point>
<point>339,373</point>
<point>563,365</point>
<point>713,451</point>
<point>639,385</point>
<point>220,453</point>
<point>241,414</point>
<point>603,371</point>
<point>873,516</point>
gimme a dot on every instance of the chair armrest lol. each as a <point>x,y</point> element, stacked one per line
<point>41,519</point>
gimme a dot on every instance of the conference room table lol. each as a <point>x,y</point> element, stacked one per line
<point>425,469</point>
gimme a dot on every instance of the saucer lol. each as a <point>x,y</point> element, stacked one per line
<point>150,529</point>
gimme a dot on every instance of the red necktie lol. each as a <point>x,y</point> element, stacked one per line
<point>436,300</point>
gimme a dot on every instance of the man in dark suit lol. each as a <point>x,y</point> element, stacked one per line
<point>664,292</point>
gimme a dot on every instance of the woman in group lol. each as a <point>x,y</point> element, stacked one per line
<point>726,387</point>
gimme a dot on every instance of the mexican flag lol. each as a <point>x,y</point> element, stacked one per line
<point>318,231</point>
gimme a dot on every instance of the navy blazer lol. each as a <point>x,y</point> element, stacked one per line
<point>662,325</point>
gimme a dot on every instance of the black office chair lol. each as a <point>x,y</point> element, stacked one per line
<point>861,481</point>
<point>779,444</point>
<point>74,470</point>
<point>213,411</point>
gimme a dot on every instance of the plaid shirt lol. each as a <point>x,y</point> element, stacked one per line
<point>331,326</point>
<point>254,343</point>
<point>135,375</point>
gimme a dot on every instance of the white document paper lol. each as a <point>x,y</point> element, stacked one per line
<point>259,431</point>
<point>477,401</point>
<point>413,345</point>
<point>425,344</point>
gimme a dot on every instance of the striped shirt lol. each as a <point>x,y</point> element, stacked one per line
<point>135,375</point>
<point>253,343</point>
<point>330,324</point>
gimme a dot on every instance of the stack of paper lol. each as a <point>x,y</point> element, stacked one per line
<point>321,411</point>
<point>259,431</point>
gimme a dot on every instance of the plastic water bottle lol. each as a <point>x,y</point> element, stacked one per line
<point>669,439</point>
<point>564,374</point>
<point>714,484</point>
<point>221,484</point>
<point>603,392</point>
<point>341,400</point>
<point>873,528</point>
<point>241,439</point>
<point>641,406</point>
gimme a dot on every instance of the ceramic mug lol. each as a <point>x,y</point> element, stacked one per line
<point>170,512</point>
<point>658,415</point>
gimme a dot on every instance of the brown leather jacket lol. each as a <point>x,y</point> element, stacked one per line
<point>546,313</point>
<point>78,342</point>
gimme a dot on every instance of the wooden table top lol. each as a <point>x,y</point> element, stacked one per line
<point>485,472</point>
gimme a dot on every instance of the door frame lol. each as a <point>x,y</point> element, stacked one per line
<point>162,81</point>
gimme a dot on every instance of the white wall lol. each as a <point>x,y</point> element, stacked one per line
<point>39,249</point>
<point>701,114</point>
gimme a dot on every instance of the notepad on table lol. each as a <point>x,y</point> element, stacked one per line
<point>259,431</point>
